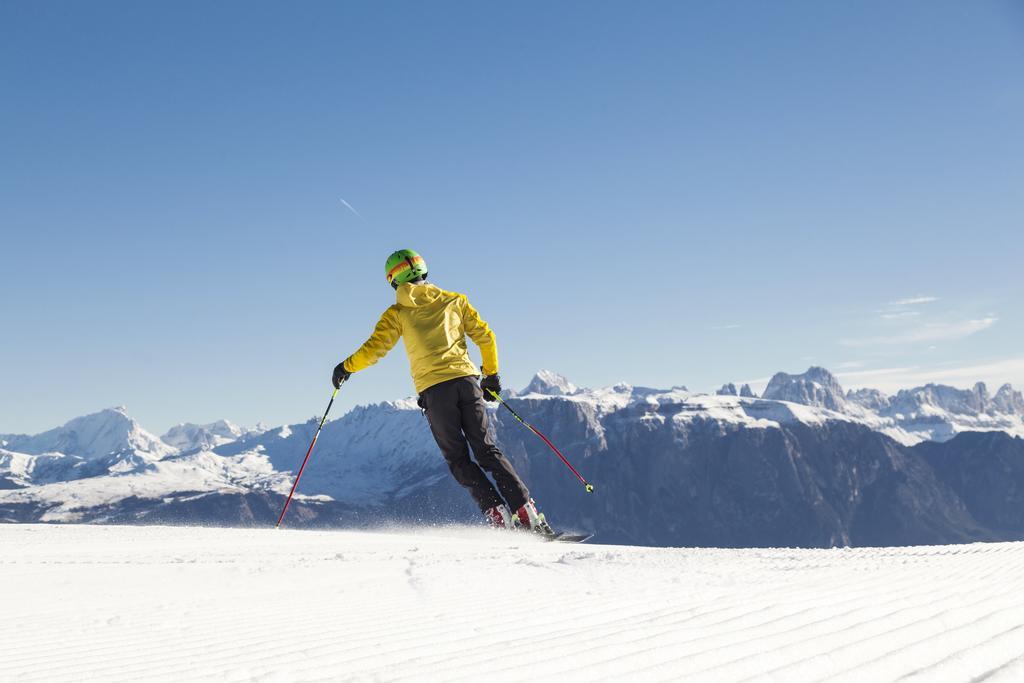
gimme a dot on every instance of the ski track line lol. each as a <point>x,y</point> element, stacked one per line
<point>383,607</point>
<point>743,635</point>
<point>933,637</point>
<point>974,659</point>
<point>315,623</point>
<point>663,645</point>
<point>779,656</point>
<point>546,644</point>
<point>546,638</point>
<point>857,651</point>
<point>618,651</point>
<point>962,640</point>
<point>387,631</point>
<point>772,645</point>
<point>152,663</point>
<point>540,640</point>
<point>498,633</point>
<point>872,623</point>
<point>659,665</point>
<point>458,648</point>
<point>776,660</point>
<point>678,646</point>
<point>816,667</point>
<point>953,603</point>
<point>427,637</point>
<point>1010,672</point>
<point>597,620</point>
<point>216,622</point>
<point>688,596</point>
<point>143,634</point>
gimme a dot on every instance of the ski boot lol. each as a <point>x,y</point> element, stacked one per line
<point>528,518</point>
<point>499,517</point>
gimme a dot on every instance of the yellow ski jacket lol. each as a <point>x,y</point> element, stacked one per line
<point>434,324</point>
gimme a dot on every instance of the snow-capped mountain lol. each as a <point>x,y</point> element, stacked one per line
<point>369,456</point>
<point>1008,401</point>
<point>816,387</point>
<point>92,445</point>
<point>929,413</point>
<point>186,436</point>
<point>672,467</point>
<point>551,384</point>
<point>107,434</point>
<point>869,399</point>
<point>938,412</point>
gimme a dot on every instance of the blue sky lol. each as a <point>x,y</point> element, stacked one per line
<point>662,193</point>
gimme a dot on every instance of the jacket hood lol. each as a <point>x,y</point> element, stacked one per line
<point>416,294</point>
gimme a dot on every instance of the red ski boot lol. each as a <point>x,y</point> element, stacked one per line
<point>499,517</point>
<point>529,519</point>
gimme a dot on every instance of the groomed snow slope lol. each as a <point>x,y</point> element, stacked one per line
<point>157,603</point>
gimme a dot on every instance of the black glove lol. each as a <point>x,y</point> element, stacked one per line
<point>488,384</point>
<point>340,374</point>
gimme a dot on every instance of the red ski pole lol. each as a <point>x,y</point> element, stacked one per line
<point>586,484</point>
<point>306,459</point>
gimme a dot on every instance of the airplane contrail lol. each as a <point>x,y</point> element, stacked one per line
<point>349,206</point>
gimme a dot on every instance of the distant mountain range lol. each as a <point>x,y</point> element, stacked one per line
<point>805,464</point>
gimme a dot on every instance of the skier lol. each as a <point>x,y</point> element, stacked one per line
<point>434,324</point>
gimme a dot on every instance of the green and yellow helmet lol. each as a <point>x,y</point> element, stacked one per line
<point>405,265</point>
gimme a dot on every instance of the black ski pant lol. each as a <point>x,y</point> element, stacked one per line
<point>455,411</point>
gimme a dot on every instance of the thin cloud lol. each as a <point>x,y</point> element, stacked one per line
<point>880,372</point>
<point>914,301</point>
<point>891,380</point>
<point>930,332</point>
<point>349,206</point>
<point>756,385</point>
<point>725,327</point>
<point>896,315</point>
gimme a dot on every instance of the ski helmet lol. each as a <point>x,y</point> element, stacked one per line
<point>405,265</point>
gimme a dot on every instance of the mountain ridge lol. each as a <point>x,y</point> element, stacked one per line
<point>672,467</point>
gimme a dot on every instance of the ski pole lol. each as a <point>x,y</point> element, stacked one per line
<point>586,484</point>
<point>306,459</point>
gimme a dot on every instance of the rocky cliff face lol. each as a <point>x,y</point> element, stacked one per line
<point>986,470</point>
<point>816,387</point>
<point>663,480</point>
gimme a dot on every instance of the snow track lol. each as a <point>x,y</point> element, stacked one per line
<point>171,604</point>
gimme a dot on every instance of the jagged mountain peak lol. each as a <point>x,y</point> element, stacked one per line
<point>728,389</point>
<point>815,387</point>
<point>960,401</point>
<point>871,399</point>
<point>1009,401</point>
<point>187,436</point>
<point>550,383</point>
<point>109,432</point>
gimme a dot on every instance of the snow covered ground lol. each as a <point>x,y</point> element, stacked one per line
<point>160,603</point>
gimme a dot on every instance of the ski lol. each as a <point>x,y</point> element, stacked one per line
<point>562,537</point>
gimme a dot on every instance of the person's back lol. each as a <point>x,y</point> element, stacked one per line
<point>434,324</point>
